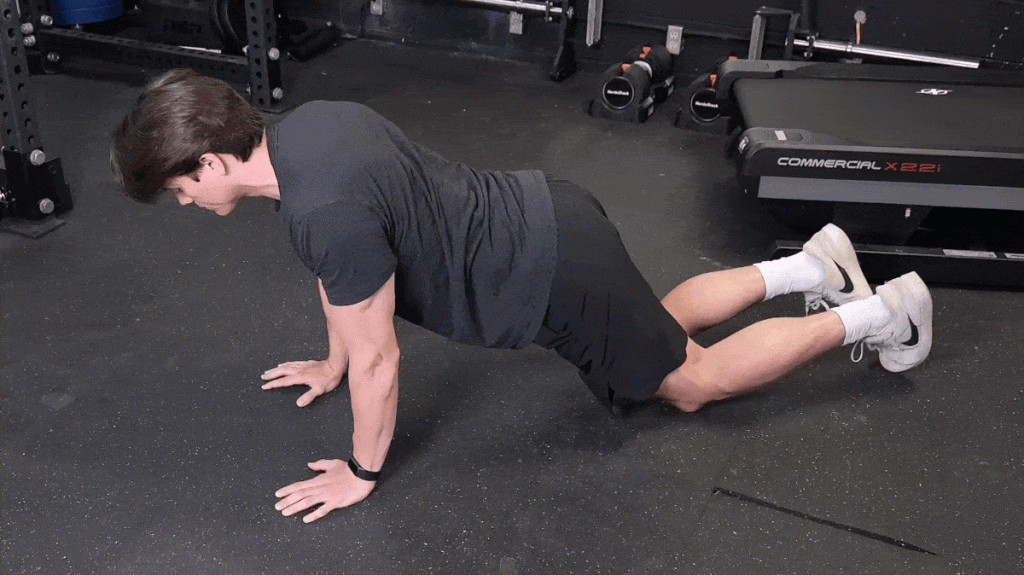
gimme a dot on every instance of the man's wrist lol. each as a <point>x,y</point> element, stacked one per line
<point>361,472</point>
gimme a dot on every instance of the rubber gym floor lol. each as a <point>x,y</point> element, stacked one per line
<point>136,438</point>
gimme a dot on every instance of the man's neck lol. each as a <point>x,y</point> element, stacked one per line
<point>260,179</point>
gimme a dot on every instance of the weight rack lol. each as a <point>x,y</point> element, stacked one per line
<point>33,189</point>
<point>259,69</point>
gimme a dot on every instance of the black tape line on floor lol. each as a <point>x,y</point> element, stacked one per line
<point>833,524</point>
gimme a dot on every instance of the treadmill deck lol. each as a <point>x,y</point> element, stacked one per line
<point>889,114</point>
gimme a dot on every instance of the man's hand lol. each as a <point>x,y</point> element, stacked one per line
<point>333,489</point>
<point>320,376</point>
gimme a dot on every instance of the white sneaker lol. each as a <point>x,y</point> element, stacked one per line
<point>844,281</point>
<point>906,340</point>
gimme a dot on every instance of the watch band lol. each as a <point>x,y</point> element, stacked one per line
<point>360,472</point>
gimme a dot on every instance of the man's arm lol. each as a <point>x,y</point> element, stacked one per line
<point>366,333</point>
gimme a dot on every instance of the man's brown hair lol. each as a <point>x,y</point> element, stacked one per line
<point>179,117</point>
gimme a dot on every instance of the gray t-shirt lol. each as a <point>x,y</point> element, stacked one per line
<point>473,252</point>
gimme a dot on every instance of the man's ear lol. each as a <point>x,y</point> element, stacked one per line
<point>213,162</point>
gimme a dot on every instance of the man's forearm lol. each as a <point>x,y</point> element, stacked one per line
<point>364,334</point>
<point>374,389</point>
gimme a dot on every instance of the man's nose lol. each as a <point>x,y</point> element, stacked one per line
<point>183,199</point>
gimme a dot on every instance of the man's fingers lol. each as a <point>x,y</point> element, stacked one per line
<point>284,381</point>
<point>302,502</point>
<point>288,380</point>
<point>298,487</point>
<point>284,504</point>
<point>308,397</point>
<point>299,496</point>
<point>306,494</point>
<point>307,484</point>
<point>296,506</point>
<point>324,464</point>
<point>289,368</point>
<point>275,372</point>
<point>288,490</point>
<point>320,512</point>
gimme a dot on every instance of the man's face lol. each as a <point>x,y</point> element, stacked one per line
<point>208,189</point>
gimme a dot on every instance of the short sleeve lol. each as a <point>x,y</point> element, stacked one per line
<point>346,247</point>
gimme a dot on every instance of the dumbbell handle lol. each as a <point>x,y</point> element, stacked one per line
<point>645,65</point>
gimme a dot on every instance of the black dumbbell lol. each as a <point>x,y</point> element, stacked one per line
<point>624,85</point>
<point>701,110</point>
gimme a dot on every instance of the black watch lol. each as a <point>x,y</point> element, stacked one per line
<point>360,472</point>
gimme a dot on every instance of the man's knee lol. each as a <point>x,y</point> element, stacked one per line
<point>689,387</point>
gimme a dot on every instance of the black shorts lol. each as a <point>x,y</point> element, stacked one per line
<point>602,315</point>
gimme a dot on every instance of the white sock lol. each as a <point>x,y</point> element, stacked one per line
<point>863,318</point>
<point>799,272</point>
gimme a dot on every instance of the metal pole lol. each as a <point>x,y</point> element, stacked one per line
<point>892,53</point>
<point>595,12</point>
<point>757,36</point>
<point>520,6</point>
<point>19,116</point>
<point>265,90</point>
<point>76,43</point>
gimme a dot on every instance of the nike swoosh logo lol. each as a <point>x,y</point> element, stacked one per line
<point>847,282</point>
<point>913,339</point>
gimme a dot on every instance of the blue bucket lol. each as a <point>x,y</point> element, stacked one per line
<point>72,12</point>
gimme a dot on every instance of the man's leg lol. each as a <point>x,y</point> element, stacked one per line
<point>749,359</point>
<point>897,321</point>
<point>826,270</point>
<point>710,299</point>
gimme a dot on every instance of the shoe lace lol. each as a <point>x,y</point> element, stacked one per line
<point>857,353</point>
<point>815,305</point>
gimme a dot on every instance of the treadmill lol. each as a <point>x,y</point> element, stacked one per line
<point>875,149</point>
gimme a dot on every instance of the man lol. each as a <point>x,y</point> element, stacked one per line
<point>485,258</point>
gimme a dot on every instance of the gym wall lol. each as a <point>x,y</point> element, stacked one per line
<point>979,28</point>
